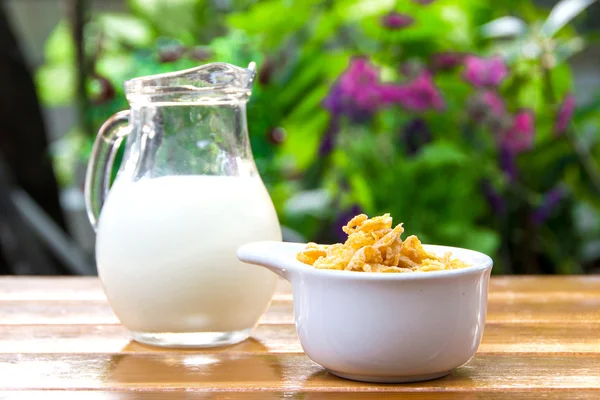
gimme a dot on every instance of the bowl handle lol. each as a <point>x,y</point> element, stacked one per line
<point>278,257</point>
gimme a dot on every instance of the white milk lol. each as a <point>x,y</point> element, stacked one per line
<point>166,253</point>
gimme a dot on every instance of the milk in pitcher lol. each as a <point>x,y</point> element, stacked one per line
<point>166,253</point>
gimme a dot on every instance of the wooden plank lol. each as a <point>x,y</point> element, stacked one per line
<point>546,283</point>
<point>89,288</point>
<point>532,309</point>
<point>98,312</point>
<point>228,371</point>
<point>498,338</point>
<point>18,288</point>
<point>199,394</point>
<point>14,288</point>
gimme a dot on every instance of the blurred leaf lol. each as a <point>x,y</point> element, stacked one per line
<point>587,110</point>
<point>481,239</point>
<point>562,13</point>
<point>310,103</point>
<point>562,79</point>
<point>545,165</point>
<point>442,153</point>
<point>309,72</point>
<point>530,93</point>
<point>59,47</point>
<point>514,50</point>
<point>567,49</point>
<point>125,29</point>
<point>362,192</point>
<point>176,18</point>
<point>313,202</point>
<point>236,48</point>
<point>358,10</point>
<point>504,27</point>
<point>446,24</point>
<point>117,68</point>
<point>56,84</point>
<point>273,20</point>
<point>303,138</point>
<point>66,155</point>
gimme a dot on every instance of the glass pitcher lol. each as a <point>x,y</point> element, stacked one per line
<point>186,196</point>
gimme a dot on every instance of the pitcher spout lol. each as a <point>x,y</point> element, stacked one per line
<point>215,82</point>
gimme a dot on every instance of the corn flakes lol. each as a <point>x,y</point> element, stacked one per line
<point>373,246</point>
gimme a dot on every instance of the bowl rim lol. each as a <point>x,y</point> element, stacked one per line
<point>291,264</point>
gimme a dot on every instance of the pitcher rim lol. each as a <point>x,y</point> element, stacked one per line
<point>141,87</point>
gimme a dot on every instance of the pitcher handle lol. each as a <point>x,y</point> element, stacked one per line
<point>97,178</point>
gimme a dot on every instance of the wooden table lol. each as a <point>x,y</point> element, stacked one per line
<point>60,340</point>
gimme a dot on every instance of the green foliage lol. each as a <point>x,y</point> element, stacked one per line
<point>302,47</point>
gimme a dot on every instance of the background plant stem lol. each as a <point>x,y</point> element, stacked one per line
<point>582,153</point>
<point>77,16</point>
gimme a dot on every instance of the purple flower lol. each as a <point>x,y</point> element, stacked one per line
<point>493,198</point>
<point>415,135</point>
<point>394,20</point>
<point>508,164</point>
<point>486,105</point>
<point>493,102</point>
<point>420,94</point>
<point>446,61</point>
<point>520,136</point>
<point>565,114</point>
<point>550,202</point>
<point>356,92</point>
<point>485,71</point>
<point>328,139</point>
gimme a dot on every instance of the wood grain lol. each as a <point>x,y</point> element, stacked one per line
<point>277,372</point>
<point>89,288</point>
<point>59,339</point>
<point>497,339</point>
<point>533,309</point>
<point>199,394</point>
<point>15,288</point>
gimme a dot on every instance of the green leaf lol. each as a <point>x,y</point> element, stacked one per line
<point>481,239</point>
<point>303,138</point>
<point>65,156</point>
<point>442,153</point>
<point>310,72</point>
<point>531,94</point>
<point>236,48</point>
<point>562,14</point>
<point>56,84</point>
<point>309,202</point>
<point>176,18</point>
<point>546,164</point>
<point>273,20</point>
<point>125,29</point>
<point>59,47</point>
<point>116,67</point>
<point>442,24</point>
<point>562,79</point>
<point>362,192</point>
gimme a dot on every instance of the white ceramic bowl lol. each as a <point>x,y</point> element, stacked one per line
<point>383,327</point>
